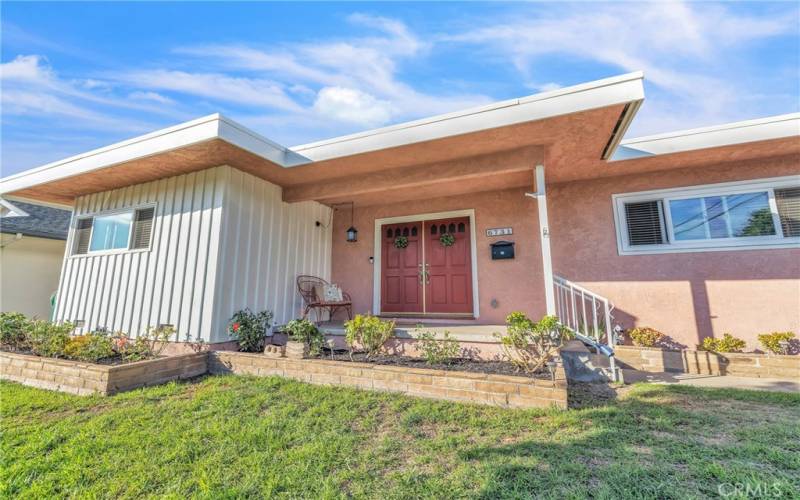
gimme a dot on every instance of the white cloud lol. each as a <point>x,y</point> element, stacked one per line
<point>546,87</point>
<point>32,69</point>
<point>364,71</point>
<point>150,96</point>
<point>253,92</point>
<point>352,106</point>
<point>682,48</point>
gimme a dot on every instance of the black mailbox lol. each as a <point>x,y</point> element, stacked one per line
<point>502,250</point>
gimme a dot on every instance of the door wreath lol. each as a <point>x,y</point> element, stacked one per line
<point>401,242</point>
<point>447,239</point>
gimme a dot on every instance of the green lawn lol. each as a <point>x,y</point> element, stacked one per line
<point>232,436</point>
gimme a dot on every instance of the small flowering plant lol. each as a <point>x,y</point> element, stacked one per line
<point>250,329</point>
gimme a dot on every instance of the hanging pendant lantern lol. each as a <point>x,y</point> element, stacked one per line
<point>352,232</point>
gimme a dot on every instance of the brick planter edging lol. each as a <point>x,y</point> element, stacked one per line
<point>483,388</point>
<point>87,378</point>
<point>82,378</point>
<point>740,364</point>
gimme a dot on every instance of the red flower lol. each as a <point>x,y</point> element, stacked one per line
<point>235,327</point>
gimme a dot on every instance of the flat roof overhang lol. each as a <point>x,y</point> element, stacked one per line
<point>584,122</point>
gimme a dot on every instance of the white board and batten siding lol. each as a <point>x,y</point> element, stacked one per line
<point>222,240</point>
<point>265,245</point>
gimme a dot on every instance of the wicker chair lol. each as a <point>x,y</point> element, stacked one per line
<point>307,286</point>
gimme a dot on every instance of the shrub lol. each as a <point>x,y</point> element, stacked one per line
<point>369,332</point>
<point>250,329</point>
<point>305,331</point>
<point>437,351</point>
<point>728,343</point>
<point>148,345</point>
<point>772,341</point>
<point>49,339</point>
<point>529,345</point>
<point>14,328</point>
<point>91,347</point>
<point>644,336</point>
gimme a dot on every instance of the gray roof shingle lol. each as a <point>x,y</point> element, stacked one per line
<point>41,221</point>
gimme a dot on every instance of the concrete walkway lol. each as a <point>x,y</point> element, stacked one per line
<point>716,381</point>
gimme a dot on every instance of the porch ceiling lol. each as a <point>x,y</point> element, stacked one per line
<point>500,158</point>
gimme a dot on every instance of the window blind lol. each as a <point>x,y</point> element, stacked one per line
<point>788,201</point>
<point>644,222</point>
<point>83,233</point>
<point>142,228</point>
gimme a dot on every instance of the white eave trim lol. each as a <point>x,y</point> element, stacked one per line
<point>763,129</point>
<point>601,93</point>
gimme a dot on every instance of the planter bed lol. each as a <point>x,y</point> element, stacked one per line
<point>82,378</point>
<point>110,361</point>
<point>458,365</point>
<point>451,384</point>
<point>740,364</point>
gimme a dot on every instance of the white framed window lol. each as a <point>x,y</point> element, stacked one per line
<point>725,216</point>
<point>113,231</point>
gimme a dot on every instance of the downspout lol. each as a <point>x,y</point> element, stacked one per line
<point>544,238</point>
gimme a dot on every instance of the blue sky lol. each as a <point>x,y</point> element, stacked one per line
<point>76,76</point>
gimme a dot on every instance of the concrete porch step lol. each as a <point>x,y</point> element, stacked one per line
<point>583,365</point>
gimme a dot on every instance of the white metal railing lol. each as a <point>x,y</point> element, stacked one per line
<point>587,314</point>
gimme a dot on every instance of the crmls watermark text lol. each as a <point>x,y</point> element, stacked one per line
<point>750,490</point>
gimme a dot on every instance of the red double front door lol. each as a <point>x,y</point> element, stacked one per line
<point>421,274</point>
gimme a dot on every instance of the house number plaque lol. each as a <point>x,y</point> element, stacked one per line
<point>499,231</point>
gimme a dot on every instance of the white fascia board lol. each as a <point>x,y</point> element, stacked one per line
<point>762,129</point>
<point>203,129</point>
<point>601,93</point>
<point>242,137</point>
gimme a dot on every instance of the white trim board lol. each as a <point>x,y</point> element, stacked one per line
<point>377,248</point>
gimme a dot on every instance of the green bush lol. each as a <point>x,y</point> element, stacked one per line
<point>772,341</point>
<point>644,336</point>
<point>148,345</point>
<point>303,330</point>
<point>250,329</point>
<point>435,351</point>
<point>529,345</point>
<point>14,328</point>
<point>369,332</point>
<point>49,339</point>
<point>91,347</point>
<point>728,343</point>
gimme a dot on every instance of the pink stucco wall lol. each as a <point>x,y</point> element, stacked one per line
<point>515,284</point>
<point>686,295</point>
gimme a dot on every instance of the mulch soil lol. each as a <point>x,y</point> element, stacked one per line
<point>458,364</point>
